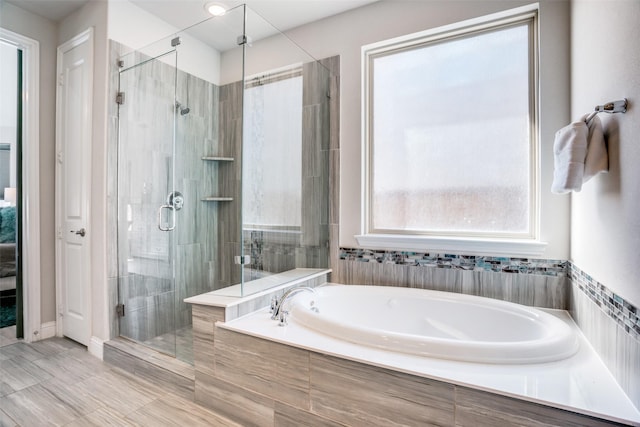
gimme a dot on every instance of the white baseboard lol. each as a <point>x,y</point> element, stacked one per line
<point>96,347</point>
<point>47,330</point>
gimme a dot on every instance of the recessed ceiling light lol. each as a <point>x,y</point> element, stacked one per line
<point>215,9</point>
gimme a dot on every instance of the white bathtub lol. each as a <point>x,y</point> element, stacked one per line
<point>435,324</point>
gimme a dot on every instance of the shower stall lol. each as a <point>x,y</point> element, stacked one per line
<point>221,171</point>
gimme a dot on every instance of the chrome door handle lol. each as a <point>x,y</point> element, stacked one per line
<point>80,232</point>
<point>173,218</point>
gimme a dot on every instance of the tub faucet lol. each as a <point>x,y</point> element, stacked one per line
<point>279,304</point>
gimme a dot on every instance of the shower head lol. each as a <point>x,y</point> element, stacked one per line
<point>183,109</point>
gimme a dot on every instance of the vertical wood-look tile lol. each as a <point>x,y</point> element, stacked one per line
<point>358,394</point>
<point>204,319</point>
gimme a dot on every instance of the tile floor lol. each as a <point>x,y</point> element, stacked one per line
<point>55,382</point>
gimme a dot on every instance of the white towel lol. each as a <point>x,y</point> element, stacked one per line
<point>597,158</point>
<point>570,152</point>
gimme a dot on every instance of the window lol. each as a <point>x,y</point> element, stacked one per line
<point>451,133</point>
<point>272,158</point>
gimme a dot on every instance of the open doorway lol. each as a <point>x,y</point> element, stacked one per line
<point>11,325</point>
<point>28,280</point>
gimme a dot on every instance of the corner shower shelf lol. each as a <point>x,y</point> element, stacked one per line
<point>217,199</point>
<point>218,159</point>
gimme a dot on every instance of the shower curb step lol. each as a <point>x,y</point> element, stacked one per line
<point>151,365</point>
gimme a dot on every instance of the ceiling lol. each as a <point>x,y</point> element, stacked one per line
<point>266,15</point>
<point>282,14</point>
<point>55,10</point>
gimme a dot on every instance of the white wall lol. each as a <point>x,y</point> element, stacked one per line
<point>605,220</point>
<point>344,35</point>
<point>45,32</point>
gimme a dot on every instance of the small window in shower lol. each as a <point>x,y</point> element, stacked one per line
<point>451,133</point>
<point>272,153</point>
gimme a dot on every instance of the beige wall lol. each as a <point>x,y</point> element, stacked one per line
<point>346,33</point>
<point>45,32</point>
<point>605,220</point>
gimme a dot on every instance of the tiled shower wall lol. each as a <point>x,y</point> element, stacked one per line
<point>153,305</point>
<point>207,236</point>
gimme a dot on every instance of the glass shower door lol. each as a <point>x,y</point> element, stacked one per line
<point>147,200</point>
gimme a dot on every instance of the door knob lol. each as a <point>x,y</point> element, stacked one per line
<point>80,232</point>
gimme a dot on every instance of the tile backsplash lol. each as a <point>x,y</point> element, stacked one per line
<point>625,314</point>
<point>461,262</point>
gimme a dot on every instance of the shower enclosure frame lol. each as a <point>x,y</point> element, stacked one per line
<point>222,200</point>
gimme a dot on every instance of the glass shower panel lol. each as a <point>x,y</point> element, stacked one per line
<point>147,208</point>
<point>285,169</point>
<point>208,159</point>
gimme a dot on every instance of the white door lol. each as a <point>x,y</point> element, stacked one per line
<point>73,181</point>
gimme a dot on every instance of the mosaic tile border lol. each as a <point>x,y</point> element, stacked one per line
<point>544,267</point>
<point>623,312</point>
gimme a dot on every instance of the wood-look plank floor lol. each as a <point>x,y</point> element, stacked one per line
<point>56,382</point>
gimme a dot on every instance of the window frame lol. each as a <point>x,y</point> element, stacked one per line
<point>526,243</point>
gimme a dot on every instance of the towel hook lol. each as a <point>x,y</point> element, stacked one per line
<point>619,106</point>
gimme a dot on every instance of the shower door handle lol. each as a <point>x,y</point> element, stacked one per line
<point>166,227</point>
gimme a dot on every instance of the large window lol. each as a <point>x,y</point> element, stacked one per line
<point>451,132</point>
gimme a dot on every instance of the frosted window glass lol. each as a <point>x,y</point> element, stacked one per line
<point>451,135</point>
<point>272,154</point>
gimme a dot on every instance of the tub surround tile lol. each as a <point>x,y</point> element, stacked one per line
<point>477,409</point>
<point>545,291</point>
<point>623,312</point>
<point>204,319</point>
<point>357,394</point>
<point>277,371</point>
<point>556,382</point>
<point>607,331</point>
<point>344,392</point>
<point>459,262</point>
